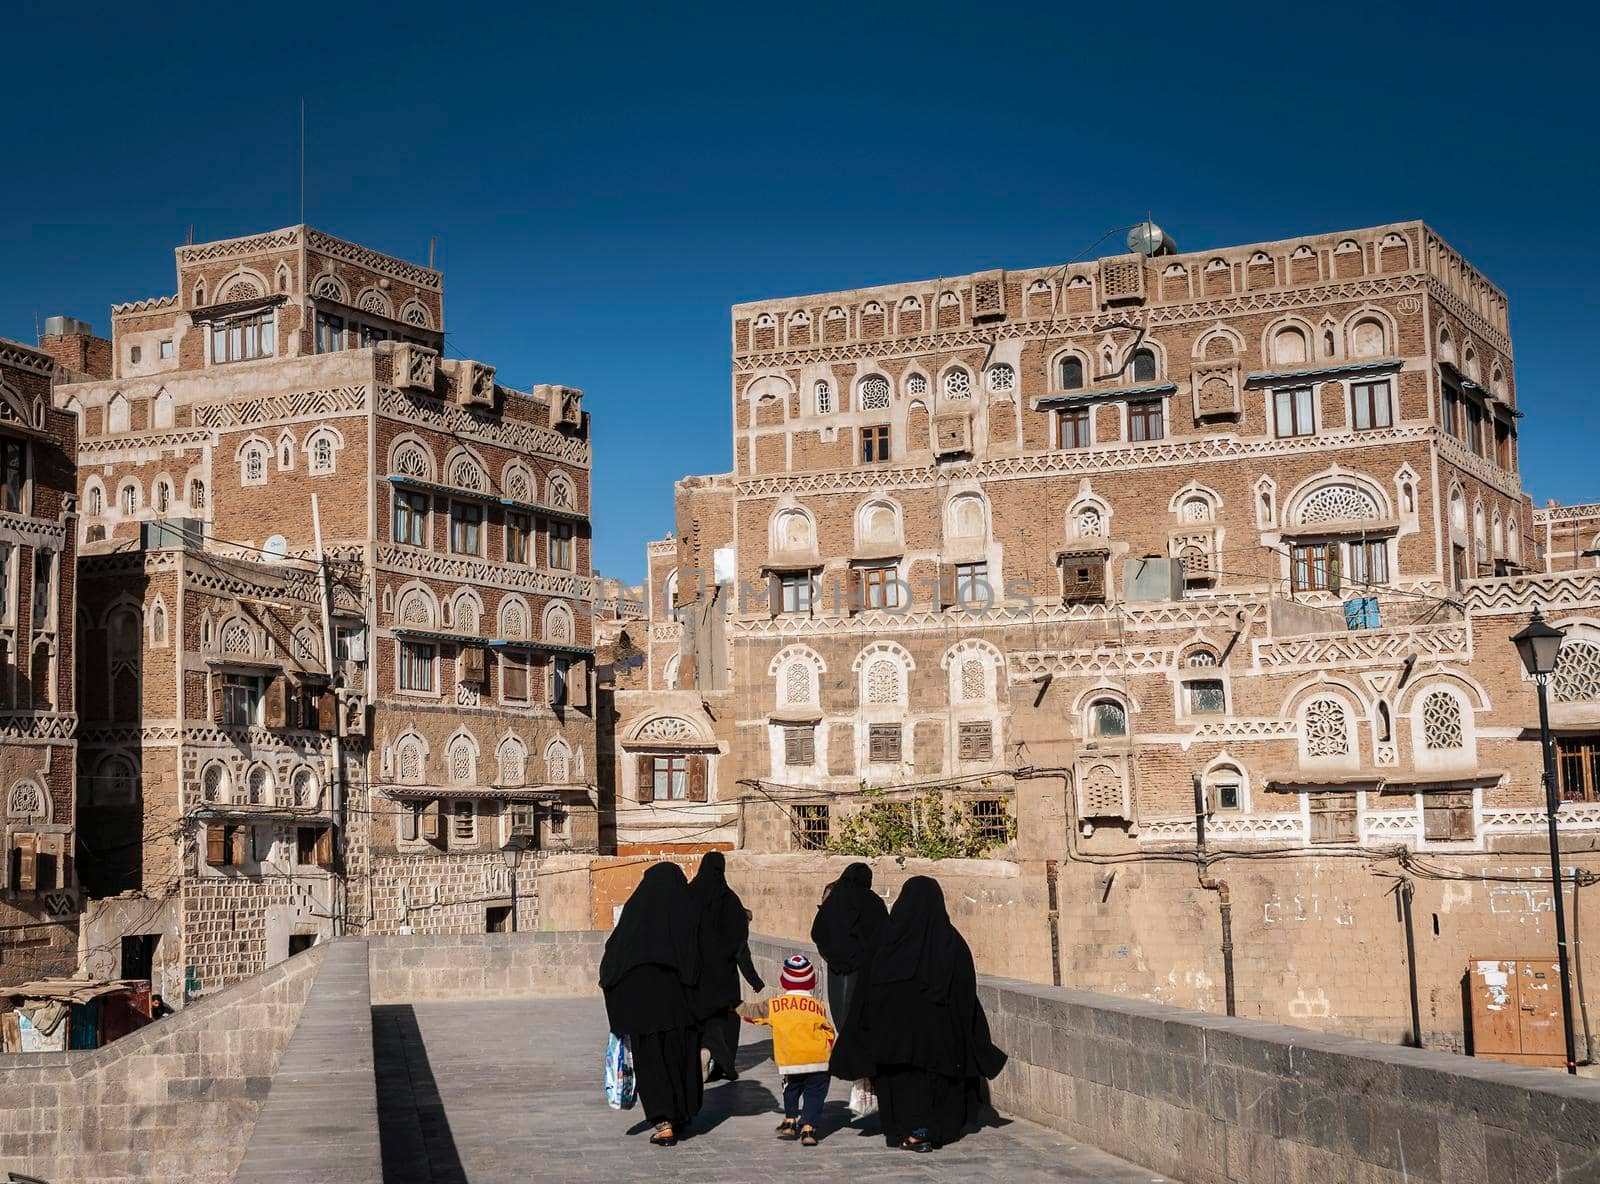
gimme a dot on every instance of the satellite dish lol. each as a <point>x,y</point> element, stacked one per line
<point>1149,239</point>
<point>275,548</point>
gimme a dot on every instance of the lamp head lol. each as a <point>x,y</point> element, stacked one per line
<point>1539,646</point>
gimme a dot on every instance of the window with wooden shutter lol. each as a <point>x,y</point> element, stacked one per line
<point>883,743</point>
<point>514,676</point>
<point>578,683</point>
<point>1447,817</point>
<point>472,665</point>
<point>277,703</point>
<point>238,852</point>
<point>324,851</point>
<point>411,822</point>
<point>327,713</point>
<point>1333,817</point>
<point>49,858</point>
<point>800,746</point>
<point>1083,579</point>
<point>947,585</point>
<point>697,779</point>
<point>217,845</point>
<point>217,707</point>
<point>25,862</point>
<point>432,830</point>
<point>774,594</point>
<point>976,741</point>
<point>645,766</point>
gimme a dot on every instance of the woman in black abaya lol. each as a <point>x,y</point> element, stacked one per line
<point>649,972</point>
<point>724,954</point>
<point>922,1034</point>
<point>849,922</point>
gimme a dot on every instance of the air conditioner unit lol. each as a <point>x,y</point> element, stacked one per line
<point>1151,581</point>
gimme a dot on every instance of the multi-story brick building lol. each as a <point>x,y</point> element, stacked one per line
<point>337,588</point>
<point>39,901</point>
<point>1144,519</point>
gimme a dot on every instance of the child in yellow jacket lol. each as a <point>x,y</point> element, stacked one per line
<point>802,1040</point>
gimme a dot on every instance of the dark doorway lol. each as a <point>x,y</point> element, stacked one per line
<point>139,955</point>
<point>497,919</point>
<point>299,943</point>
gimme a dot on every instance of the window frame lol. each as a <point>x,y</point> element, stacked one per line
<point>414,509</point>
<point>1367,562</point>
<point>559,546</point>
<point>243,699</point>
<point>885,744</point>
<point>467,521</point>
<point>16,475</point>
<point>666,770</point>
<point>411,659</point>
<point>248,338</point>
<point>1294,400</point>
<point>1061,373</point>
<point>799,746</point>
<point>1076,418</point>
<point>875,439</point>
<point>518,534</point>
<point>1580,753</point>
<point>880,586</point>
<point>1314,560</point>
<point>1192,687</point>
<point>1142,413</point>
<point>1364,399</point>
<point>975,740</point>
<point>515,662</point>
<point>1096,717</point>
<point>968,578</point>
<point>798,604</point>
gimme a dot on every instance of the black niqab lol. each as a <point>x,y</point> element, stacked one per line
<point>849,921</point>
<point>652,958</point>
<point>724,931</point>
<point>922,1006</point>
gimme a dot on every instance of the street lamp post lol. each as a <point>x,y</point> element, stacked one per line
<point>1539,645</point>
<point>512,853</point>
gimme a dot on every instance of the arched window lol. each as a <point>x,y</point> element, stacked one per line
<point>874,393</point>
<point>463,762</point>
<point>797,683</point>
<point>974,684</point>
<point>161,411</point>
<point>1144,365</point>
<point>258,786</point>
<point>1458,511</point>
<point>1366,339</point>
<point>409,761</point>
<point>1441,721</point>
<point>305,789</point>
<point>966,517</point>
<point>1513,543</point>
<point>95,501</point>
<point>322,453</point>
<point>1195,509</point>
<point>1088,522</point>
<point>116,782</point>
<point>917,384</point>
<point>162,495</point>
<point>513,761</point>
<point>824,397</point>
<point>957,384</point>
<point>129,499</point>
<point>792,531</point>
<point>197,494</point>
<point>1070,373</point>
<point>1002,378</point>
<point>117,414</point>
<point>883,681</point>
<point>1577,676</point>
<point>158,624</point>
<point>1326,729</point>
<point>1108,719</point>
<point>558,763</point>
<point>214,782</point>
<point>253,465</point>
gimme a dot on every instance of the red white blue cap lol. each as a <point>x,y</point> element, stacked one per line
<point>798,974</point>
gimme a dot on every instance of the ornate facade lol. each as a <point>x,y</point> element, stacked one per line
<point>340,592</point>
<point>1246,520</point>
<point>39,898</point>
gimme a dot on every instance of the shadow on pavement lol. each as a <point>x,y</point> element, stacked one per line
<point>413,1129</point>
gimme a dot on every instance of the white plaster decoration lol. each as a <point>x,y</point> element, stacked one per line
<point>874,393</point>
<point>1337,503</point>
<point>1577,675</point>
<point>26,801</point>
<point>1441,721</point>
<point>667,727</point>
<point>1326,729</point>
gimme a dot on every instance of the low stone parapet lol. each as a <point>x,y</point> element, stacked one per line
<point>462,967</point>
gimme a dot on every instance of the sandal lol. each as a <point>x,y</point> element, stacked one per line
<point>912,1143</point>
<point>788,1129</point>
<point>808,1136</point>
<point>664,1136</point>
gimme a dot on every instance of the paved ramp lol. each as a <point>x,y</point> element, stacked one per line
<point>511,1091</point>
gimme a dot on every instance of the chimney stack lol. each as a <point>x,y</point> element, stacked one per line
<point>75,348</point>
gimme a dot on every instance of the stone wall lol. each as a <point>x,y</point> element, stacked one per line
<point>1212,1100</point>
<point>175,1100</point>
<point>448,893</point>
<point>461,967</point>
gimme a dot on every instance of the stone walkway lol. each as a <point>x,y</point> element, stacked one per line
<point>512,1091</point>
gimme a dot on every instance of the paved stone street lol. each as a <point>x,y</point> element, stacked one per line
<point>511,1091</point>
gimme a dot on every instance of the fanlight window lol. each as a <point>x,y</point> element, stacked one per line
<point>972,680</point>
<point>883,681</point>
<point>824,394</point>
<point>917,384</point>
<point>796,683</point>
<point>966,518</point>
<point>958,384</point>
<point>1144,366</point>
<point>1195,509</point>
<point>1441,721</point>
<point>1089,523</point>
<point>1289,347</point>
<point>1326,731</point>
<point>1071,373</point>
<point>1577,676</point>
<point>214,783</point>
<point>1002,378</point>
<point>874,393</point>
<point>1337,503</point>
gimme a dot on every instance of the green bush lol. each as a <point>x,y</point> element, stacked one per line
<point>926,827</point>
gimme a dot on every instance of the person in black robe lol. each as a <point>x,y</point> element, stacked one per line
<point>918,1028</point>
<point>649,972</point>
<point>849,922</point>
<point>724,955</point>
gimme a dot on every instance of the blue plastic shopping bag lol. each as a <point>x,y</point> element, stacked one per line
<point>619,1073</point>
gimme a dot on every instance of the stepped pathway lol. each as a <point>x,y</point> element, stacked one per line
<point>512,1091</point>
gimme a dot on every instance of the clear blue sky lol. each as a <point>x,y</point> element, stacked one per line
<point>605,181</point>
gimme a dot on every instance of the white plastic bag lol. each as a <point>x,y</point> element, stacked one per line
<point>619,1073</point>
<point>863,1098</point>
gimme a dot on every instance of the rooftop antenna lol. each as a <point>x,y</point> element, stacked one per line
<point>191,234</point>
<point>433,244</point>
<point>302,160</point>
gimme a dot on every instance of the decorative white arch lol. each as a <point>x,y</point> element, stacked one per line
<point>465,469</point>
<point>514,617</point>
<point>976,671</point>
<point>416,606</point>
<point>410,456</point>
<point>797,671</point>
<point>558,624</point>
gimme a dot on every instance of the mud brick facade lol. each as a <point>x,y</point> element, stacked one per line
<point>39,898</point>
<point>1091,543</point>
<point>339,596</point>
